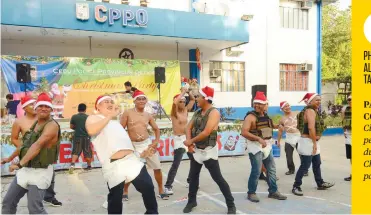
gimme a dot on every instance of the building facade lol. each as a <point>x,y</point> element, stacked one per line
<point>242,43</point>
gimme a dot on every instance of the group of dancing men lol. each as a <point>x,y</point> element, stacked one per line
<point>125,149</point>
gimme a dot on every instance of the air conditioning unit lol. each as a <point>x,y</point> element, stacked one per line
<point>306,67</point>
<point>306,5</point>
<point>234,51</point>
<point>215,73</point>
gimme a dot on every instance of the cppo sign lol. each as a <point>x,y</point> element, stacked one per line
<point>102,14</point>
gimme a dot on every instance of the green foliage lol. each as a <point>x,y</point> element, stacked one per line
<point>43,87</point>
<point>336,44</point>
<point>276,118</point>
<point>333,121</point>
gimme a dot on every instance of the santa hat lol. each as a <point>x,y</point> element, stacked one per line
<point>138,93</point>
<point>282,104</point>
<point>260,98</point>
<point>183,98</point>
<point>207,92</point>
<point>26,101</point>
<point>100,99</point>
<point>43,99</point>
<point>309,97</point>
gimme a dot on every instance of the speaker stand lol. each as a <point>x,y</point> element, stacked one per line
<point>159,106</point>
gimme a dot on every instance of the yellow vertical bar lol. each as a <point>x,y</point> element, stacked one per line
<point>361,120</point>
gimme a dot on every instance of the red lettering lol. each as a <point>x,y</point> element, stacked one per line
<point>172,144</point>
<point>219,142</point>
<point>64,152</point>
<point>159,149</point>
<point>167,147</point>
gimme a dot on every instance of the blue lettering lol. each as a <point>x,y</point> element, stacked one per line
<point>114,14</point>
<point>128,16</point>
<point>141,17</point>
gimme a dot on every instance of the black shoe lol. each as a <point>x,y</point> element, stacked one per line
<point>348,178</point>
<point>232,210</point>
<point>290,172</point>
<point>188,208</point>
<point>89,168</point>
<point>54,203</point>
<point>262,177</point>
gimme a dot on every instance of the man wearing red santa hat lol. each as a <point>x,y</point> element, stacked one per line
<point>21,126</point>
<point>288,123</point>
<point>37,154</point>
<point>179,119</point>
<point>257,128</point>
<point>201,135</point>
<point>120,164</point>
<point>311,126</point>
<point>136,120</point>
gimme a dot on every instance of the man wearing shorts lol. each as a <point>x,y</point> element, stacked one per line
<point>81,139</point>
<point>136,120</point>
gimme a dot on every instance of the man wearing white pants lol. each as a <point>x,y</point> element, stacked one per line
<point>347,127</point>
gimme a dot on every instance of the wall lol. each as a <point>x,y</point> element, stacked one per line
<point>180,5</point>
<point>269,45</point>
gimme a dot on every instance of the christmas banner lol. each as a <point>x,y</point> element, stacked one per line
<point>70,81</point>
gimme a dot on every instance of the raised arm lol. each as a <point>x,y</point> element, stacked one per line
<point>191,101</point>
<point>94,124</point>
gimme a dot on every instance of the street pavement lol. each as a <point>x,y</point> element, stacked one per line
<point>84,192</point>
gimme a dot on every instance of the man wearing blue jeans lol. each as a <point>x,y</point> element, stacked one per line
<point>311,126</point>
<point>258,131</point>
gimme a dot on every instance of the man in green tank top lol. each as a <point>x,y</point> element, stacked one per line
<point>201,135</point>
<point>347,127</point>
<point>37,154</point>
<point>311,126</point>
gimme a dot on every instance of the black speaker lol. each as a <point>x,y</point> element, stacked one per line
<point>23,72</point>
<point>254,89</point>
<point>159,75</point>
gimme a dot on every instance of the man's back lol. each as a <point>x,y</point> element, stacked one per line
<point>78,120</point>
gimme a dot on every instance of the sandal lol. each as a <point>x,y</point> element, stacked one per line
<point>125,197</point>
<point>163,196</point>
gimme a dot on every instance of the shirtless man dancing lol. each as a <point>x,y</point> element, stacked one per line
<point>21,126</point>
<point>179,119</point>
<point>288,123</point>
<point>136,120</point>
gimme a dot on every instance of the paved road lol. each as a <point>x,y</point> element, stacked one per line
<point>85,192</point>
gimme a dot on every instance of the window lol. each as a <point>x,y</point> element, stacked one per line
<point>295,18</point>
<point>227,76</point>
<point>292,78</point>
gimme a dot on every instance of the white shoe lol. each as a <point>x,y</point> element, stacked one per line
<point>105,204</point>
<point>169,191</point>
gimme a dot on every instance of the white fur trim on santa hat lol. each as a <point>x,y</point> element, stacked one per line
<point>28,102</point>
<point>312,97</point>
<point>283,105</point>
<point>43,103</point>
<point>204,95</point>
<point>102,99</point>
<point>140,96</point>
<point>260,101</point>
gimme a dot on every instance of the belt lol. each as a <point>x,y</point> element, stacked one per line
<point>267,138</point>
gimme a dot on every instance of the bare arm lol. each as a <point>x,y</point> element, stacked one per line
<point>124,119</point>
<point>16,129</point>
<point>280,131</point>
<point>246,127</point>
<point>155,128</point>
<point>50,131</point>
<point>191,101</point>
<point>311,118</point>
<point>212,122</point>
<point>94,124</point>
<point>177,99</point>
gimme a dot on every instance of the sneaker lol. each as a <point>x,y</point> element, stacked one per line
<point>290,172</point>
<point>169,191</point>
<point>348,178</point>
<point>54,203</point>
<point>105,204</point>
<point>232,210</point>
<point>325,186</point>
<point>297,191</point>
<point>189,207</point>
<point>277,195</point>
<point>88,168</point>
<point>70,171</point>
<point>262,177</point>
<point>253,197</point>
<point>163,196</point>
